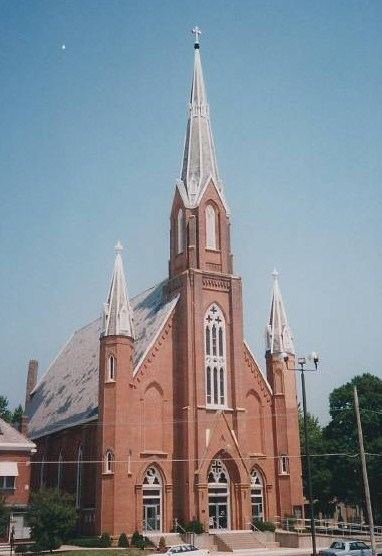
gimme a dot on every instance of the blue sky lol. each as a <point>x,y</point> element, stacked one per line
<point>90,148</point>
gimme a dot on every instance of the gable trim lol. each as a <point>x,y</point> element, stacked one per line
<point>155,338</point>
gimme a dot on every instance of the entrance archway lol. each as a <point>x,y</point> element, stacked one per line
<point>257,496</point>
<point>152,502</point>
<point>218,496</point>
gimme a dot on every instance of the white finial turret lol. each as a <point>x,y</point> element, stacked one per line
<point>117,315</point>
<point>118,248</point>
<point>278,335</point>
<point>197,32</point>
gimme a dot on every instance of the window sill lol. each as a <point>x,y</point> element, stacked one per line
<point>107,473</point>
<point>284,474</point>
<point>110,381</point>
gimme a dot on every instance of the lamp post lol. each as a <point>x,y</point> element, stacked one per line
<point>301,361</point>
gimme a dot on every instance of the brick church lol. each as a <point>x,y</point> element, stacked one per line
<point>158,410</point>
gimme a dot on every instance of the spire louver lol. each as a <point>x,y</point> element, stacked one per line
<point>199,159</point>
<point>278,334</point>
<point>117,315</point>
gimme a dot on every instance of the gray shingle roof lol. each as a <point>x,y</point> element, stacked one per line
<point>12,439</point>
<point>68,393</point>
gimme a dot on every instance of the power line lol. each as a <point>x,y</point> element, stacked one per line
<point>184,460</point>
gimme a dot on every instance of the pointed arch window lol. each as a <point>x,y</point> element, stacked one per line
<point>215,357</point>
<point>79,477</point>
<point>211,242</point>
<point>218,496</point>
<point>180,232</point>
<point>108,462</point>
<point>152,498</point>
<point>42,472</point>
<point>283,465</point>
<point>257,496</point>
<point>60,469</point>
<point>111,368</point>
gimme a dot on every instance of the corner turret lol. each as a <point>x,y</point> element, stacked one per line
<point>115,374</point>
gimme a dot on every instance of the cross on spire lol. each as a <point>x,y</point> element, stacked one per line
<point>197,32</point>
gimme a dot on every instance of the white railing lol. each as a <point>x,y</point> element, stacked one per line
<point>327,527</point>
<point>187,536</point>
<point>259,533</point>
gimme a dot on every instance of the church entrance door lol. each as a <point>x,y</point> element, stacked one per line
<point>151,517</point>
<point>218,515</point>
<point>152,500</point>
<point>257,496</point>
<point>218,496</point>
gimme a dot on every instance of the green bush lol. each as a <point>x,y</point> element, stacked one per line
<point>105,540</point>
<point>194,526</point>
<point>264,525</point>
<point>139,541</point>
<point>85,542</point>
<point>21,549</point>
<point>123,541</point>
<point>162,545</point>
<point>51,517</point>
<point>36,548</point>
<point>136,539</point>
<point>4,516</point>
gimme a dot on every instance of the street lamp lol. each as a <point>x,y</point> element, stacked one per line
<point>301,361</point>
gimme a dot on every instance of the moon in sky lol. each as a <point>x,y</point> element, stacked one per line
<point>63,47</point>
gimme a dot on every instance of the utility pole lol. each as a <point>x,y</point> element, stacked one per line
<point>301,368</point>
<point>364,473</point>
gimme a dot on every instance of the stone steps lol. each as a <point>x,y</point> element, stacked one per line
<point>239,540</point>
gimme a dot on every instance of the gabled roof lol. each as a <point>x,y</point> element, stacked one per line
<point>12,440</point>
<point>68,393</point>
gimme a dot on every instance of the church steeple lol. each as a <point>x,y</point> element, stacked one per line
<point>200,227</point>
<point>117,315</point>
<point>199,158</point>
<point>278,334</point>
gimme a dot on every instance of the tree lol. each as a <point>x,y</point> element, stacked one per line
<point>4,517</point>
<point>5,412</point>
<point>321,473</point>
<point>9,415</point>
<point>51,516</point>
<point>17,414</point>
<point>341,435</point>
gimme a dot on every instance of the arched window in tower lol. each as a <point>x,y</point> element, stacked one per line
<point>109,462</point>
<point>42,472</point>
<point>283,465</point>
<point>211,242</point>
<point>257,496</point>
<point>60,469</point>
<point>180,232</point>
<point>215,357</point>
<point>79,478</point>
<point>111,368</point>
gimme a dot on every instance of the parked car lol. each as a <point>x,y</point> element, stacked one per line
<point>187,548</point>
<point>349,547</point>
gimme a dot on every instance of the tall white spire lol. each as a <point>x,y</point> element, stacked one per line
<point>117,314</point>
<point>278,335</point>
<point>199,159</point>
